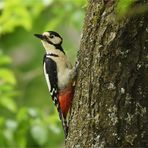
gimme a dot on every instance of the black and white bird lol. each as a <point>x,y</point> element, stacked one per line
<point>59,74</point>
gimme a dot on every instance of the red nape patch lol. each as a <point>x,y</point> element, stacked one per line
<point>65,99</point>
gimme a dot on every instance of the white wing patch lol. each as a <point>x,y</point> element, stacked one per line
<point>47,78</point>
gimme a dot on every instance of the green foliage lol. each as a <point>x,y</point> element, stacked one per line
<point>27,115</point>
<point>7,82</point>
<point>123,6</point>
<point>24,11</point>
<point>24,121</point>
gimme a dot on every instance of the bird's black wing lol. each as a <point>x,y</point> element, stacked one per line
<point>50,69</point>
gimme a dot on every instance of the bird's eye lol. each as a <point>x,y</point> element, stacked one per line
<point>51,36</point>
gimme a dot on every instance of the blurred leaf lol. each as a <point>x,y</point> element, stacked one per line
<point>55,129</point>
<point>22,114</point>
<point>19,13</point>
<point>4,60</point>
<point>11,124</point>
<point>40,134</point>
<point>21,137</point>
<point>7,76</point>
<point>8,103</point>
<point>8,134</point>
<point>6,88</point>
<point>53,24</point>
<point>81,3</point>
<point>123,6</point>
<point>75,17</point>
<point>1,4</point>
<point>53,118</point>
<point>2,140</point>
<point>2,120</point>
<point>32,112</point>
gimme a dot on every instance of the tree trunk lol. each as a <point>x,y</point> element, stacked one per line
<point>111,99</point>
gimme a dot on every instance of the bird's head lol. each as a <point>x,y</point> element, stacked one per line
<point>50,40</point>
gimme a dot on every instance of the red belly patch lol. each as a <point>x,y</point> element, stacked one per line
<point>65,99</point>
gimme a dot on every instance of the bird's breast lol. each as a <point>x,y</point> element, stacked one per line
<point>64,76</point>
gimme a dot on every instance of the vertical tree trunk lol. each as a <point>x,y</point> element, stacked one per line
<point>111,99</point>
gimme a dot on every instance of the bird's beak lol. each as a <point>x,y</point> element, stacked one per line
<point>40,36</point>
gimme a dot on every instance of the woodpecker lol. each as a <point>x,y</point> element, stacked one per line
<point>59,74</point>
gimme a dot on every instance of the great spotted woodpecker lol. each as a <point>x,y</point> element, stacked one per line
<point>59,74</point>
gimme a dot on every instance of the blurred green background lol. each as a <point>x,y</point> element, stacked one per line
<point>27,115</point>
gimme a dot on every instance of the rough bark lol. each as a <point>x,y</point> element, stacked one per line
<point>111,99</point>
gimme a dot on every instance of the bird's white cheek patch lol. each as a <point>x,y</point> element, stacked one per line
<point>56,40</point>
